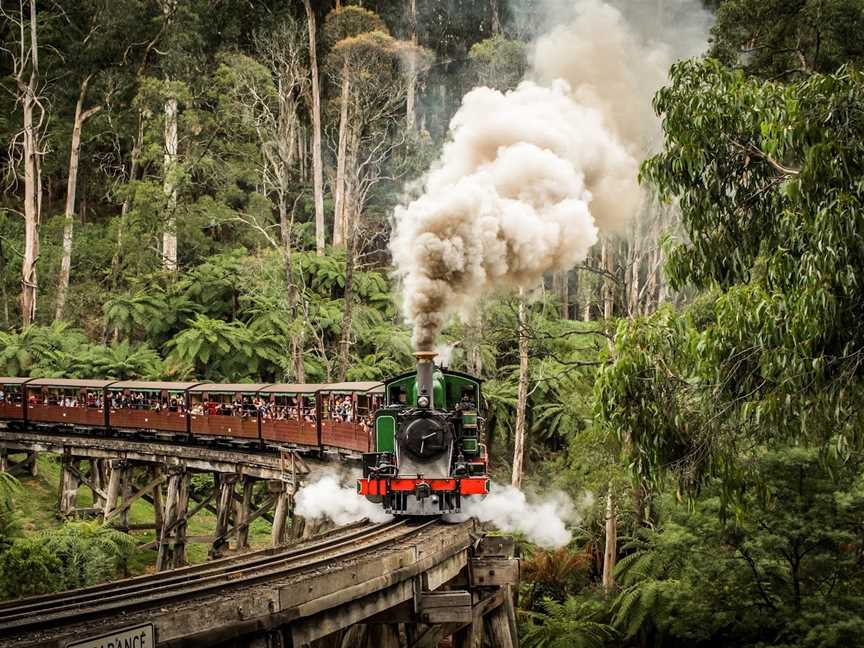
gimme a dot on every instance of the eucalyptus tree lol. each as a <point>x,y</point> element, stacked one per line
<point>93,47</point>
<point>784,40</point>
<point>341,24</point>
<point>314,100</point>
<point>497,62</point>
<point>22,25</point>
<point>768,181</point>
<point>266,95</point>
<point>369,64</point>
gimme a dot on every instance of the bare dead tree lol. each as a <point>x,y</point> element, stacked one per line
<point>26,146</point>
<point>315,108</point>
<point>170,164</point>
<point>81,116</point>
<point>374,135</point>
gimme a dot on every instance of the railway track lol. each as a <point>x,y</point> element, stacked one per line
<point>45,612</point>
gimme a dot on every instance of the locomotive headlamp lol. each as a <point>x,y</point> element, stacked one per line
<point>423,401</point>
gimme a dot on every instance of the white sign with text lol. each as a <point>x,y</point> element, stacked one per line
<point>141,636</point>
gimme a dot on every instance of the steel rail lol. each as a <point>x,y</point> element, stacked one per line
<point>182,574</point>
<point>243,574</point>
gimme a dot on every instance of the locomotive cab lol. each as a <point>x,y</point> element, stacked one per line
<point>427,454</point>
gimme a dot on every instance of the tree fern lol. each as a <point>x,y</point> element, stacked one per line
<point>638,605</point>
<point>9,486</point>
<point>571,624</point>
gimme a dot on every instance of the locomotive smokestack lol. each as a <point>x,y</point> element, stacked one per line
<point>425,369</point>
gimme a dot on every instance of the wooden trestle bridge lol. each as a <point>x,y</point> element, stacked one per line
<point>120,471</point>
<point>404,584</point>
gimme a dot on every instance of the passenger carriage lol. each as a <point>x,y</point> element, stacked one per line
<point>290,415</point>
<point>347,411</point>
<point>67,401</point>
<point>225,410</point>
<point>12,398</point>
<point>149,405</point>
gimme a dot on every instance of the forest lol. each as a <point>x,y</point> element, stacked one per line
<point>209,189</point>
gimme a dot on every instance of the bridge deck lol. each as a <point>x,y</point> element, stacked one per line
<point>266,463</point>
<point>325,585</point>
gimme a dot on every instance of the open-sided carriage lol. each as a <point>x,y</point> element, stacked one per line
<point>332,417</point>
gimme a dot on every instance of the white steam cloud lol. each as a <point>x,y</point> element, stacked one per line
<point>444,354</point>
<point>330,498</point>
<point>544,523</point>
<point>529,177</point>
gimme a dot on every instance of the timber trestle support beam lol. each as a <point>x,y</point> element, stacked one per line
<point>238,488</point>
<point>26,466</point>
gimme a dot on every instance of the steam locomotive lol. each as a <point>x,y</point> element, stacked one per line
<point>427,455</point>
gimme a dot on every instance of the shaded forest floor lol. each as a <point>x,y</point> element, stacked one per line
<point>36,509</point>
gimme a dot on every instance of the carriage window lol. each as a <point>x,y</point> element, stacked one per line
<point>68,397</point>
<point>10,394</point>
<point>341,408</point>
<point>146,400</point>
<point>326,406</point>
<point>366,406</point>
<point>308,411</point>
<point>280,407</point>
<point>363,405</point>
<point>289,407</point>
<point>223,404</point>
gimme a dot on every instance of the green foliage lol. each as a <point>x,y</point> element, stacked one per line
<point>782,40</point>
<point>131,314</point>
<point>349,22</point>
<point>222,350</point>
<point>35,346</point>
<point>75,555</point>
<point>29,568</point>
<point>214,285</point>
<point>498,62</point>
<point>571,624</point>
<point>768,181</point>
<point>780,572</point>
<point>9,487</point>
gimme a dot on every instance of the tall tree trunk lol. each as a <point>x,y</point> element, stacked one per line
<point>32,172</point>
<point>610,552</point>
<point>496,17</point>
<point>169,237</point>
<point>410,111</point>
<point>348,310</point>
<point>443,113</point>
<point>339,233</point>
<point>656,289</point>
<point>301,153</point>
<point>81,116</point>
<point>127,201</point>
<point>317,167</point>
<point>607,262</point>
<point>521,397</point>
<point>296,341</point>
<point>3,296</point>
<point>634,271</point>
<point>561,286</point>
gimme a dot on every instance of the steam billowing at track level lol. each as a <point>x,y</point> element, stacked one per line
<point>529,178</point>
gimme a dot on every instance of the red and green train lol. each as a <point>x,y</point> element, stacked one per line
<point>418,433</point>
